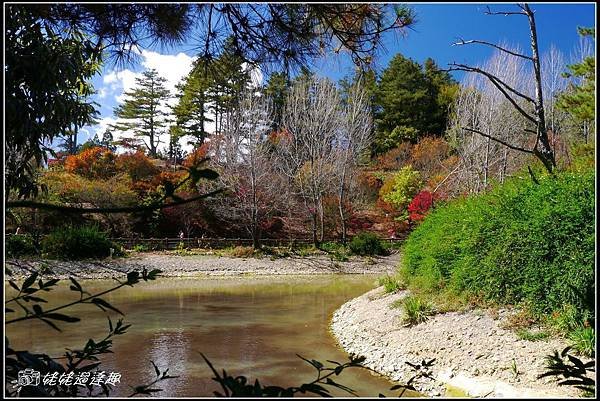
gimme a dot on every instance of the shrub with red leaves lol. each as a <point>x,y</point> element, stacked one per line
<point>420,205</point>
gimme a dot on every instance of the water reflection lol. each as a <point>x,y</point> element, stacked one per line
<point>250,326</point>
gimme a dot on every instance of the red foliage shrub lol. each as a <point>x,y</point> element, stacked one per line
<point>420,205</point>
<point>174,177</point>
<point>357,223</point>
<point>276,136</point>
<point>271,226</point>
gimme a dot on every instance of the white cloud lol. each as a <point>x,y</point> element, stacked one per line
<point>171,67</point>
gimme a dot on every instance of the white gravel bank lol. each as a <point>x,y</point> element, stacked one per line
<point>472,352</point>
<point>199,265</point>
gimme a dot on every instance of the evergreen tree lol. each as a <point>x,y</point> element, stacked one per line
<point>411,102</point>
<point>143,109</point>
<point>175,150</point>
<point>277,88</point>
<point>443,89</point>
<point>230,77</point>
<point>403,102</point>
<point>192,110</point>
<point>579,100</point>
<point>69,144</point>
<point>107,140</point>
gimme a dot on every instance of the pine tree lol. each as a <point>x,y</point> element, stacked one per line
<point>192,110</point>
<point>443,90</point>
<point>230,77</point>
<point>107,140</point>
<point>276,89</point>
<point>403,103</point>
<point>579,100</point>
<point>143,110</point>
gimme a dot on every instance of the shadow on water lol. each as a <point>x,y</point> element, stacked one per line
<point>251,326</point>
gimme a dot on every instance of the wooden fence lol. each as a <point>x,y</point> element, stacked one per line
<point>158,244</point>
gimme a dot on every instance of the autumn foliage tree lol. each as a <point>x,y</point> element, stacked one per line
<point>96,162</point>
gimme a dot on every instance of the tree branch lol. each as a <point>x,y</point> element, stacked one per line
<point>467,42</point>
<point>505,13</point>
<point>498,140</point>
<point>499,84</point>
<point>79,210</point>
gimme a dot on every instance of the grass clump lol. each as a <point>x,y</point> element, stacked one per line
<point>242,252</point>
<point>416,309</point>
<point>529,335</point>
<point>72,243</point>
<point>391,284</point>
<point>367,244</point>
<point>583,340</point>
<point>522,243</point>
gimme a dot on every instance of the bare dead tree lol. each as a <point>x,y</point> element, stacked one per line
<point>246,166</point>
<point>306,155</point>
<point>482,108</point>
<point>553,66</point>
<point>535,113</point>
<point>354,137</point>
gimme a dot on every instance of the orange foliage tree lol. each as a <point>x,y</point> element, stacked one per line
<point>96,162</point>
<point>137,165</point>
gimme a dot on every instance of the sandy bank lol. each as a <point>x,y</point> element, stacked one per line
<point>472,351</point>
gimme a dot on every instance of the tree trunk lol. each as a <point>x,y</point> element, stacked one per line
<point>542,149</point>
<point>314,229</point>
<point>322,218</point>
<point>341,204</point>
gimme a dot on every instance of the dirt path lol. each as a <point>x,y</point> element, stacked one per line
<point>198,265</point>
<point>472,351</point>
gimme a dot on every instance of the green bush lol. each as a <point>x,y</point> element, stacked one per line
<point>522,243</point>
<point>77,243</point>
<point>367,244</point>
<point>20,245</point>
<point>529,335</point>
<point>568,318</point>
<point>141,248</point>
<point>401,188</point>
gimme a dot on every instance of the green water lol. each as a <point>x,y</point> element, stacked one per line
<point>252,326</point>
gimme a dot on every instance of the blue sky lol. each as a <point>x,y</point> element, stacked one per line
<point>437,27</point>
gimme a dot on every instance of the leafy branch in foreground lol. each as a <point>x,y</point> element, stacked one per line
<point>239,387</point>
<point>47,316</point>
<point>147,389</point>
<point>572,370</point>
<point>83,364</point>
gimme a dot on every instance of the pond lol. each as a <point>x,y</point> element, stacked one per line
<point>251,326</point>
